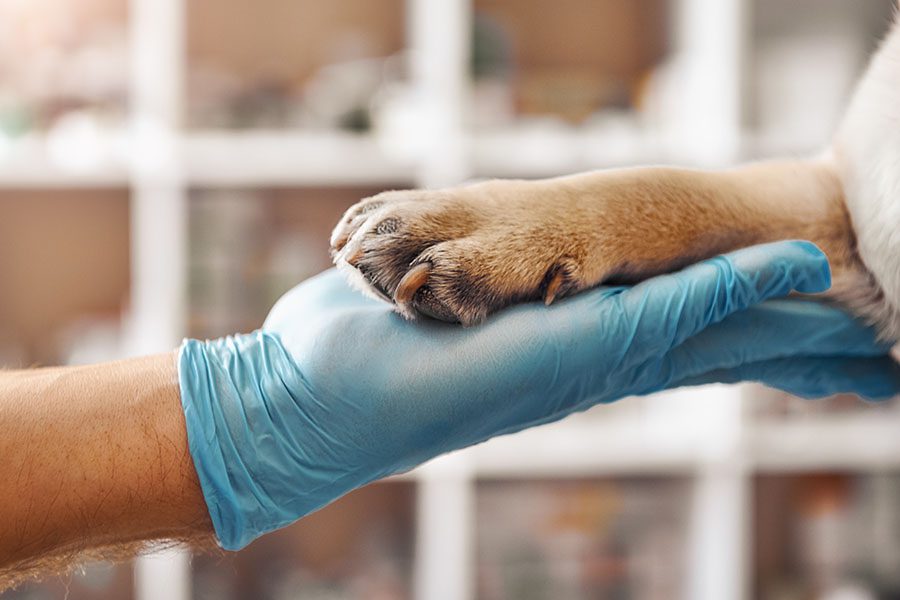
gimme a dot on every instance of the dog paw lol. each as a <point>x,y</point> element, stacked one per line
<point>457,255</point>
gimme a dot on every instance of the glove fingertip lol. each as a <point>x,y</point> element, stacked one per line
<point>816,266</point>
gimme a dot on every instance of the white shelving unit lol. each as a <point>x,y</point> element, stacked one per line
<point>703,434</point>
<point>37,161</point>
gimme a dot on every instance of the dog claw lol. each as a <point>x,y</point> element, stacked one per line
<point>338,244</point>
<point>353,259</point>
<point>553,287</point>
<point>414,279</point>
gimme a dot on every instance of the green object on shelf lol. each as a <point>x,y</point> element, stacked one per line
<point>15,121</point>
<point>492,53</point>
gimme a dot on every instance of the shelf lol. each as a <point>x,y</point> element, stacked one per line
<point>654,441</point>
<point>866,442</point>
<point>81,160</point>
<point>268,158</point>
<point>758,145</point>
<point>546,150</point>
<point>263,158</point>
<point>587,450</point>
<point>596,450</point>
<point>278,158</point>
<point>258,158</point>
<point>675,433</point>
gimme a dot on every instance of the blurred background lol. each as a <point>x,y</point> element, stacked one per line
<point>170,167</point>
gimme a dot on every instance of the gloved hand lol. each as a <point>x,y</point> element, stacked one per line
<point>337,390</point>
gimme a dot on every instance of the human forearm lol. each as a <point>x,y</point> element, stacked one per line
<point>94,461</point>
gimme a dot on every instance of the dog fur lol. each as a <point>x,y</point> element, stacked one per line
<point>461,253</point>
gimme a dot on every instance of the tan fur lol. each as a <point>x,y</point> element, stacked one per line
<point>498,242</point>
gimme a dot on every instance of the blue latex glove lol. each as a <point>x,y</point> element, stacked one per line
<point>338,391</point>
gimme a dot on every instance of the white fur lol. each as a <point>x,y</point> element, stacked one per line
<point>867,148</point>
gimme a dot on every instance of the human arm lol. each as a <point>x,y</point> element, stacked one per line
<point>94,464</point>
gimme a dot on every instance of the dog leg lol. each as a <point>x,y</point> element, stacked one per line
<point>462,253</point>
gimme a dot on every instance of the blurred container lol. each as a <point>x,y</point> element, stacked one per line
<point>302,63</point>
<point>359,547</point>
<point>827,536</point>
<point>569,59</point>
<point>581,539</point>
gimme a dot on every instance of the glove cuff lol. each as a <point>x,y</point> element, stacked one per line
<point>223,398</point>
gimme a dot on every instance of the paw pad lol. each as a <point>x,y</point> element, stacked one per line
<point>389,225</point>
